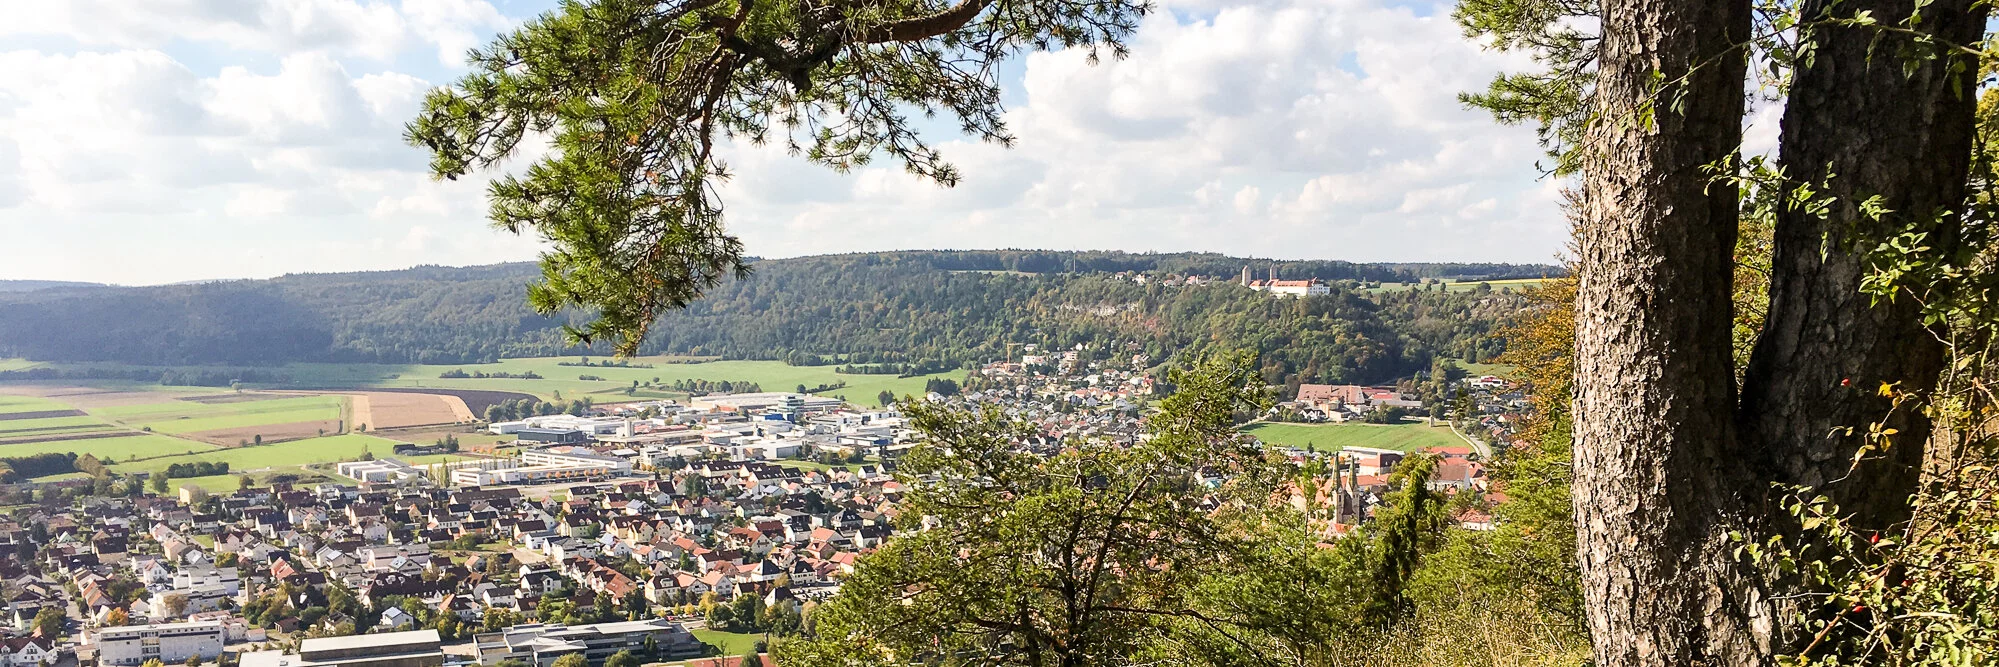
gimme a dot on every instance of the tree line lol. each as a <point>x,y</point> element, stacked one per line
<point>910,311</point>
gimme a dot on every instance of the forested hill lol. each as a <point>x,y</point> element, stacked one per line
<point>32,285</point>
<point>929,308</point>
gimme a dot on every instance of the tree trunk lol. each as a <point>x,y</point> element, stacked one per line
<point>1667,463</point>
<point>1859,125</point>
<point>1654,393</point>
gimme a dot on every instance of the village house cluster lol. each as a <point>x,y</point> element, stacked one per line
<point>580,545</point>
<point>606,533</point>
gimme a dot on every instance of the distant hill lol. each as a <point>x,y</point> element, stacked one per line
<point>32,285</point>
<point>894,310</point>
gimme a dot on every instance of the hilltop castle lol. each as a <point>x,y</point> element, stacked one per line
<point>1309,287</point>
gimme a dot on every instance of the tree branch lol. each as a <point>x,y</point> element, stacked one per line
<point>924,27</point>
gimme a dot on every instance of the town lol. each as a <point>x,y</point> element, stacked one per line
<point>634,533</point>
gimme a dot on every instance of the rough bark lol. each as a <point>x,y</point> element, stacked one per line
<point>1856,114</point>
<point>1654,380</point>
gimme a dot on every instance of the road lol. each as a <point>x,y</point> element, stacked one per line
<point>1484,451</point>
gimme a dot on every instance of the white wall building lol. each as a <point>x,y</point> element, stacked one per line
<point>169,642</point>
<point>378,470</point>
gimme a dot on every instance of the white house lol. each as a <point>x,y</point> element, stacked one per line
<point>25,651</point>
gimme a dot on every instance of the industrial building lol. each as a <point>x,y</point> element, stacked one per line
<point>552,436</point>
<point>539,645</point>
<point>421,648</point>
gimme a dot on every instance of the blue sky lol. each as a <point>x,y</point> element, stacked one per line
<point>178,140</point>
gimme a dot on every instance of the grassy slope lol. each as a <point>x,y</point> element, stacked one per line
<point>1406,437</point>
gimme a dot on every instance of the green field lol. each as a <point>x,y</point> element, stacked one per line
<point>177,409</point>
<point>112,449</point>
<point>11,404</point>
<point>233,481</point>
<point>329,449</point>
<point>326,408</point>
<point>27,426</point>
<point>731,643</point>
<point>556,379</point>
<point>1408,437</point>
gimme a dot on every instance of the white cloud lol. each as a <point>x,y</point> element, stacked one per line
<point>1322,128</point>
<point>373,29</point>
<point>454,26</point>
<point>177,136</point>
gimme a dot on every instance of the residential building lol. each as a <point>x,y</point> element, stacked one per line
<point>167,642</point>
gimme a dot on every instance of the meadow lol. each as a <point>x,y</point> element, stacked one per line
<point>730,643</point>
<point>1407,437</point>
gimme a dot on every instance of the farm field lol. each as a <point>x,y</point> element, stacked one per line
<point>22,426</point>
<point>294,453</point>
<point>77,432</point>
<point>122,448</point>
<point>382,409</point>
<point>230,419</point>
<point>13,403</point>
<point>556,380</point>
<point>1408,437</point>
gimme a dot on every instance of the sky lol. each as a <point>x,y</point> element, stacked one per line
<point>176,140</point>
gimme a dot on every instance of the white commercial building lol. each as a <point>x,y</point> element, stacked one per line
<point>168,642</point>
<point>591,425</point>
<point>535,466</point>
<point>378,470</point>
<point>769,400</point>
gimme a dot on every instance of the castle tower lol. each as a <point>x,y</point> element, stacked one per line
<point>1245,275</point>
<point>1273,273</point>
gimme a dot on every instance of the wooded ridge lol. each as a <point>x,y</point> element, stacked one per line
<point>940,308</point>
